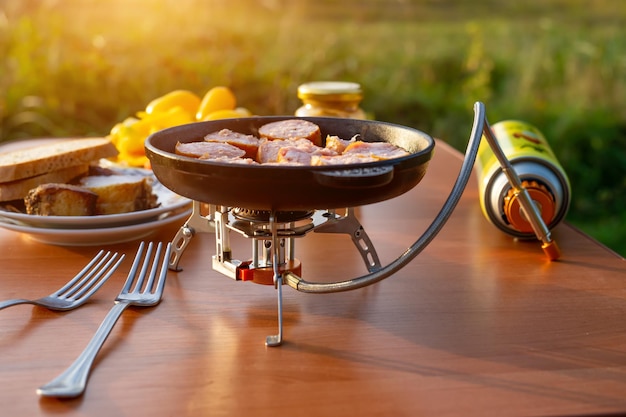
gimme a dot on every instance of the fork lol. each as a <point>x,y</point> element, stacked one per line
<point>73,381</point>
<point>80,288</point>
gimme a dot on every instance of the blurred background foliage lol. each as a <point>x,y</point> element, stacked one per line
<point>77,67</point>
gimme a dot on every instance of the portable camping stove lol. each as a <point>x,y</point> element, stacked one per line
<point>273,242</point>
<point>273,233</point>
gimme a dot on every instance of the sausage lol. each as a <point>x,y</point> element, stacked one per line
<point>345,159</point>
<point>248,143</point>
<point>292,129</point>
<point>378,150</point>
<point>209,150</point>
<point>337,144</point>
<point>287,142</point>
<point>290,151</point>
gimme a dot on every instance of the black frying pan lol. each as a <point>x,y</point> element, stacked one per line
<point>284,188</point>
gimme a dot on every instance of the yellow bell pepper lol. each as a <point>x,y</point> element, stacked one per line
<point>183,98</point>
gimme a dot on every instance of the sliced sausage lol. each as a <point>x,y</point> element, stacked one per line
<point>337,144</point>
<point>209,150</point>
<point>249,143</point>
<point>378,150</point>
<point>292,129</point>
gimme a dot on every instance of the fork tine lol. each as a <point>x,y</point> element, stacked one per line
<point>164,269</point>
<point>79,276</point>
<point>98,280</point>
<point>86,277</point>
<point>144,269</point>
<point>154,269</point>
<point>133,269</point>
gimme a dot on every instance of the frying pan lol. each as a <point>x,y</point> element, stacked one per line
<point>285,188</point>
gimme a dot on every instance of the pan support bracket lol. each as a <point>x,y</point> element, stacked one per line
<point>349,224</point>
<point>199,221</point>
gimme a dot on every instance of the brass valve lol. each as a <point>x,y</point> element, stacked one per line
<point>540,196</point>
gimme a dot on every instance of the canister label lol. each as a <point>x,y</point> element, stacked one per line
<point>517,139</point>
<point>535,163</point>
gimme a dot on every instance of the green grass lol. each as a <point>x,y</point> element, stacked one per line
<point>77,67</point>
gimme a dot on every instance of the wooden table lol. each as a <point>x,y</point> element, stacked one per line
<point>477,324</point>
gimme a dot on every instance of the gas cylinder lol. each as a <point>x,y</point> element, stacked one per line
<point>540,174</point>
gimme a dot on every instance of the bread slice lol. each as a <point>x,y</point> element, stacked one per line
<point>120,193</point>
<point>17,190</point>
<point>60,200</point>
<point>26,163</point>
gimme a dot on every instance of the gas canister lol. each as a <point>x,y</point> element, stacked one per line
<point>540,174</point>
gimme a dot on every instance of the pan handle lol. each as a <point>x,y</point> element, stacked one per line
<point>366,177</point>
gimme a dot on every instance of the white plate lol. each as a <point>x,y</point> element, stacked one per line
<point>167,199</point>
<point>99,236</point>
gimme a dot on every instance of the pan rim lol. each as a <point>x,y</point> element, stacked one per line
<point>420,156</point>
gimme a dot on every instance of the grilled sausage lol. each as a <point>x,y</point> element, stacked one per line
<point>248,143</point>
<point>209,150</point>
<point>292,129</point>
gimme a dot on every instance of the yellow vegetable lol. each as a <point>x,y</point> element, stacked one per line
<point>130,135</point>
<point>217,98</point>
<point>224,114</point>
<point>177,98</point>
<point>127,122</point>
<point>243,112</point>
<point>176,108</point>
<point>159,120</point>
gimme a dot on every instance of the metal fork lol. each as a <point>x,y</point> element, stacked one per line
<point>73,381</point>
<point>80,288</point>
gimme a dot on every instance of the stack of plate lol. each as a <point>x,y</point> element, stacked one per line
<point>104,229</point>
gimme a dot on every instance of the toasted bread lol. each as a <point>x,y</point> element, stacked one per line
<point>60,200</point>
<point>17,190</point>
<point>41,159</point>
<point>120,193</point>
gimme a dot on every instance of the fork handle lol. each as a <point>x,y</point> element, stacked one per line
<point>72,382</point>
<point>9,303</point>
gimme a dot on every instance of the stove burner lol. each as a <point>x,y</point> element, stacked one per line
<point>263,216</point>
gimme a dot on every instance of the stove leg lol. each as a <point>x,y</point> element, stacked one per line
<point>179,243</point>
<point>276,340</point>
<point>350,225</point>
<point>197,222</point>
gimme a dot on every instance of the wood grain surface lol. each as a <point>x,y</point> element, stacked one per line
<point>477,324</point>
